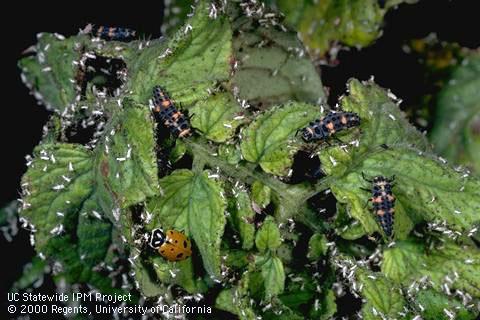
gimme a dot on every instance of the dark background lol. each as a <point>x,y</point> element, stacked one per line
<point>22,118</point>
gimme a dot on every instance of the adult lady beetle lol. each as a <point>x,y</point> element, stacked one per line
<point>168,113</point>
<point>383,202</point>
<point>173,246</point>
<point>323,128</point>
<point>110,33</point>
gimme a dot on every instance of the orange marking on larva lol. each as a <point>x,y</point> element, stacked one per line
<point>176,115</point>
<point>166,103</point>
<point>330,126</point>
<point>377,200</point>
<point>310,130</point>
<point>185,133</point>
<point>390,197</point>
<point>380,213</point>
<point>111,32</point>
<point>343,120</point>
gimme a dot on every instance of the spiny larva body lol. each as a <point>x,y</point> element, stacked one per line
<point>323,128</point>
<point>168,113</point>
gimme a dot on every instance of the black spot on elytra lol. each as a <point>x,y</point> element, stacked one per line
<point>179,256</point>
<point>185,243</point>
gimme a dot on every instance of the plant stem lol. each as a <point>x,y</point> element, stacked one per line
<point>292,197</point>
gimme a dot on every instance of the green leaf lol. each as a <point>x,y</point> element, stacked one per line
<point>261,194</point>
<point>426,189</point>
<point>226,301</point>
<point>347,227</point>
<point>56,186</point>
<point>456,131</point>
<point>433,305</point>
<point>126,161</point>
<point>273,275</point>
<point>193,203</point>
<point>74,270</point>
<point>50,72</point>
<point>180,273</point>
<point>317,246</point>
<point>355,23</point>
<point>178,151</point>
<point>328,306</point>
<point>175,13</point>
<point>274,58</point>
<point>217,117</point>
<point>457,266</point>
<point>382,122</point>
<point>243,216</point>
<point>148,287</point>
<point>191,62</point>
<point>9,220</point>
<point>268,236</point>
<point>230,153</point>
<point>381,295</point>
<point>236,300</point>
<point>269,140</point>
<point>32,275</point>
<point>94,237</point>
<point>236,258</point>
<point>279,311</point>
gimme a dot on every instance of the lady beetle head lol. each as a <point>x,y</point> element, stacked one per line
<point>157,238</point>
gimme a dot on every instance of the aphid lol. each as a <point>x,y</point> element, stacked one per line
<point>383,202</point>
<point>111,33</point>
<point>323,128</point>
<point>173,246</point>
<point>168,113</point>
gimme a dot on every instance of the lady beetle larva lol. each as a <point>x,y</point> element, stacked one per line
<point>323,128</point>
<point>110,33</point>
<point>168,113</point>
<point>173,246</point>
<point>383,202</point>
